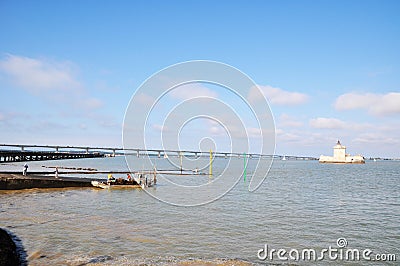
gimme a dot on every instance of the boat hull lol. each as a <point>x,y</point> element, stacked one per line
<point>113,186</point>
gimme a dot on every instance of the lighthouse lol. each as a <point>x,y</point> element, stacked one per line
<point>340,156</point>
<point>339,152</point>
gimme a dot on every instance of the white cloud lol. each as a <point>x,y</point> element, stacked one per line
<point>376,138</point>
<point>39,75</point>
<point>144,99</point>
<point>327,123</point>
<point>190,91</point>
<point>160,127</point>
<point>287,121</point>
<point>376,104</point>
<point>216,129</point>
<point>277,96</point>
<point>254,132</point>
<point>10,116</point>
<point>82,126</point>
<point>285,136</point>
<point>334,123</point>
<point>54,81</point>
<point>109,123</point>
<point>92,103</point>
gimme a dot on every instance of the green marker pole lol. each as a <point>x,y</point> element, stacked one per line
<point>245,167</point>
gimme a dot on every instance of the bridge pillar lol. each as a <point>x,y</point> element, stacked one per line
<point>57,149</point>
<point>137,153</point>
<point>87,150</point>
<point>22,148</point>
<point>113,154</point>
<point>226,155</point>
<point>159,154</point>
<point>180,157</point>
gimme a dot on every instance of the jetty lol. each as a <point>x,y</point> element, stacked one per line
<point>10,181</point>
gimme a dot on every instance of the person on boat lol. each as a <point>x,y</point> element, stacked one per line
<point>129,177</point>
<point>140,179</point>
<point>110,179</point>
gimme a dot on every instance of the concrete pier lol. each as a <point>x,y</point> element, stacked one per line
<point>18,181</point>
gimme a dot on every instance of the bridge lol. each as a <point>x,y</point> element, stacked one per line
<point>26,152</point>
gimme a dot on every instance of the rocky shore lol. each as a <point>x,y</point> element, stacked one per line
<point>10,253</point>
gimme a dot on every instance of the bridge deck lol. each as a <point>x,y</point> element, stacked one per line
<point>71,152</point>
<point>21,156</point>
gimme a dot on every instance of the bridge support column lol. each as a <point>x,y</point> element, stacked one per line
<point>180,156</point>
<point>159,154</point>
<point>113,154</point>
<point>137,153</point>
<point>87,150</point>
<point>22,148</point>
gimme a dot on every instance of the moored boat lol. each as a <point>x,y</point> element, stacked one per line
<point>140,180</point>
<point>100,184</point>
<point>106,185</point>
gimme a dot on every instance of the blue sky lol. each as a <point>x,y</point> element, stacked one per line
<point>329,69</point>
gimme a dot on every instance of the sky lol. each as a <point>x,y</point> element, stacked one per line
<point>329,69</point>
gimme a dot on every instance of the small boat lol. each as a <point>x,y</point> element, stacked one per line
<point>107,185</point>
<point>140,180</point>
<point>100,184</point>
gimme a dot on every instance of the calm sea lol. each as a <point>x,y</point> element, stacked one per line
<point>301,205</point>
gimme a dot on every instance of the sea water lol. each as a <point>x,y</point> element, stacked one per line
<point>300,205</point>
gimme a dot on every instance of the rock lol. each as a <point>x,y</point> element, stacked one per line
<point>8,250</point>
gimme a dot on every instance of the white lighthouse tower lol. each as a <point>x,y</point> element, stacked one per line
<point>339,152</point>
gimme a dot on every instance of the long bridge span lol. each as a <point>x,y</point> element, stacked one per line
<point>27,152</point>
